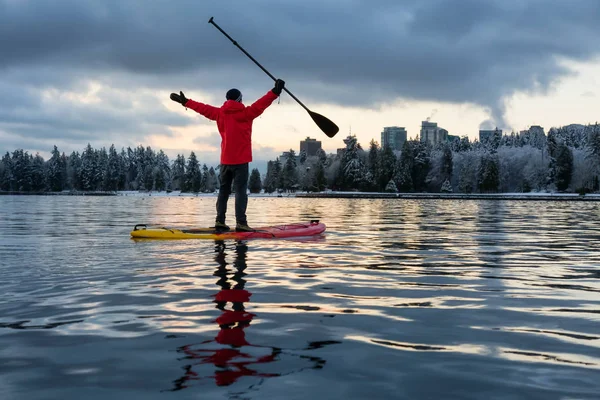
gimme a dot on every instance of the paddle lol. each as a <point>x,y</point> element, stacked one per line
<point>326,125</point>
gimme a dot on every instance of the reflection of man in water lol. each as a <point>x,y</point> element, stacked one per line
<point>231,362</point>
<point>229,352</point>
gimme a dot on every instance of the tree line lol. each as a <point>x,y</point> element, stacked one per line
<point>100,170</point>
<point>567,159</point>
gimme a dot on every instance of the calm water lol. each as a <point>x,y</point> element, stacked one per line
<point>400,299</point>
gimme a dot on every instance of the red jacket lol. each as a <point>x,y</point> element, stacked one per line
<point>234,121</point>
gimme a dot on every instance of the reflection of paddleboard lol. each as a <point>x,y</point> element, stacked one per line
<point>311,228</point>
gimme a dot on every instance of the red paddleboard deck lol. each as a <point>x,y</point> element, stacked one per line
<point>311,228</point>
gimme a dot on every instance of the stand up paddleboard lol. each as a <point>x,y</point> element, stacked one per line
<point>312,228</point>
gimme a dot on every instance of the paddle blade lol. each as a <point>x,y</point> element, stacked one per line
<point>326,125</point>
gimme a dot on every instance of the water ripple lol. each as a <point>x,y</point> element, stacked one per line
<point>488,299</point>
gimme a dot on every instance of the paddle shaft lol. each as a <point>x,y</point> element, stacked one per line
<point>210,21</point>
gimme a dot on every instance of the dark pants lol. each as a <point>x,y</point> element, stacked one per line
<point>238,175</point>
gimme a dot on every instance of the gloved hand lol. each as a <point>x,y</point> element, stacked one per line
<point>279,84</point>
<point>179,98</point>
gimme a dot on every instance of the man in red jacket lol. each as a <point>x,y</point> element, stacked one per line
<point>234,121</point>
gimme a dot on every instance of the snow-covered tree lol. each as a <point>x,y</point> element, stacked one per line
<point>56,171</point>
<point>38,173</point>
<point>421,165</point>
<point>254,184</point>
<point>74,171</point>
<point>211,183</point>
<point>89,169</point>
<point>273,176</point>
<point>387,166</point>
<point>161,171</point>
<point>391,187</point>
<point>465,166</point>
<point>113,170</point>
<point>193,177</point>
<point>374,163</point>
<point>101,168</point>
<point>355,173</point>
<point>446,187</point>
<point>302,157</point>
<point>6,173</point>
<point>289,174</point>
<point>178,173</point>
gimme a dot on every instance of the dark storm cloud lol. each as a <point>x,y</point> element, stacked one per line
<point>359,53</point>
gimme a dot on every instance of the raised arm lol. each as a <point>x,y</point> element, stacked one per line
<point>260,105</point>
<point>206,110</point>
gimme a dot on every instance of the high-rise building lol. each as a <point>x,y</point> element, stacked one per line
<point>487,134</point>
<point>310,146</point>
<point>432,133</point>
<point>394,137</point>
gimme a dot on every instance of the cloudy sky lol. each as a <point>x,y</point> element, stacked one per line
<point>74,72</point>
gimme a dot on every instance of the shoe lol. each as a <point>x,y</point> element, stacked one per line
<point>243,228</point>
<point>220,226</point>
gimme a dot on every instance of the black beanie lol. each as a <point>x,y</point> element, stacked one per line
<point>234,94</point>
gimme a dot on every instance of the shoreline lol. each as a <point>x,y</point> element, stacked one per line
<point>456,196</point>
<point>342,195</point>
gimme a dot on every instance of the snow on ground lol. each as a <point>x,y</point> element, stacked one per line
<point>328,193</point>
<point>177,193</point>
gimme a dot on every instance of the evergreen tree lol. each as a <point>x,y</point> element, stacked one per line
<point>421,165</point>
<point>273,177</point>
<point>564,167</point>
<point>179,182</point>
<point>593,140</point>
<point>355,174</point>
<point>205,179</point>
<point>321,155</point>
<point>161,172</point>
<point>56,170</point>
<point>131,182</point>
<point>89,167</point>
<point>268,182</point>
<point>211,183</point>
<point>446,169</point>
<point>74,172</point>
<point>320,182</point>
<point>289,175</point>
<point>254,183</point>
<point>488,174</point>
<point>464,144</point>
<point>123,171</point>
<point>403,177</point>
<point>446,187</point>
<point>374,163</point>
<point>593,148</point>
<point>387,167</point>
<point>21,162</point>
<point>38,174</point>
<point>113,173</point>
<point>102,167</point>
<point>145,160</point>
<point>193,177</point>
<point>302,157</point>
<point>465,178</point>
<point>391,187</point>
<point>6,173</point>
